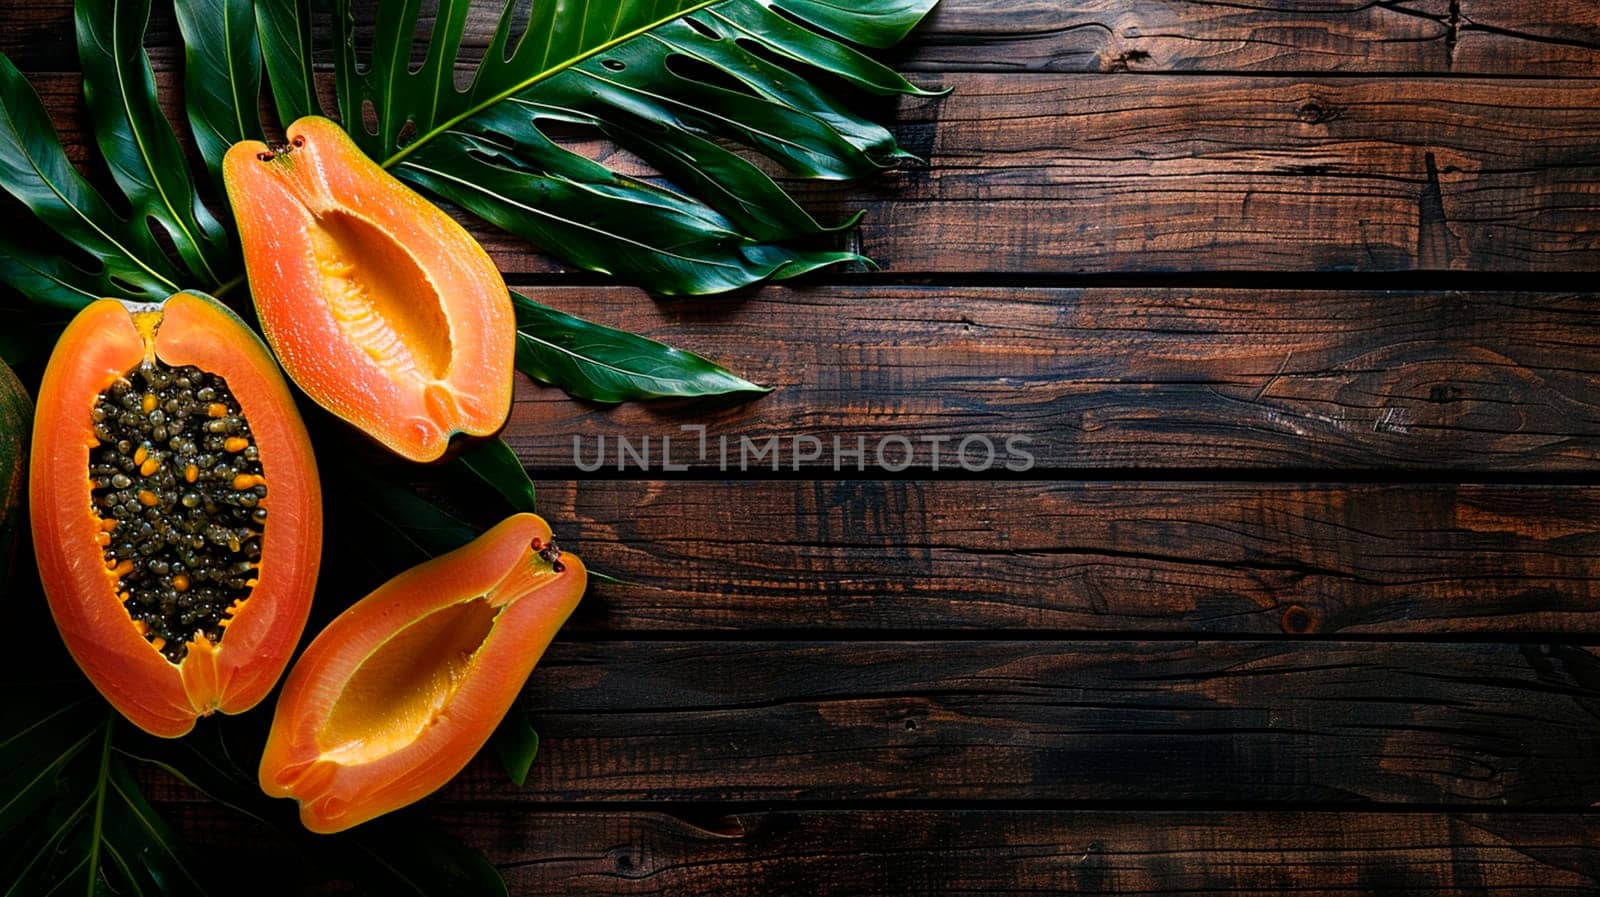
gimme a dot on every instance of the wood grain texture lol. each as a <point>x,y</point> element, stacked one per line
<point>862,854</point>
<point>1107,173</point>
<point>1552,37</point>
<point>1056,724</point>
<point>1470,37</point>
<point>1465,37</point>
<point>1174,723</point>
<point>1205,558</point>
<point>1112,174</point>
<point>1099,378</point>
<point>888,853</point>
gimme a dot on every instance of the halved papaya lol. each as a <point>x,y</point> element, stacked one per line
<point>379,305</point>
<point>401,690</point>
<point>176,512</point>
<point>16,409</point>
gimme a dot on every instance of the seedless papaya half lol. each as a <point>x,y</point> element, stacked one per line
<point>175,507</point>
<point>401,690</point>
<point>379,305</point>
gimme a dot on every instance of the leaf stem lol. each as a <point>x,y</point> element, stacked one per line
<point>97,830</point>
<point>400,155</point>
<point>227,287</point>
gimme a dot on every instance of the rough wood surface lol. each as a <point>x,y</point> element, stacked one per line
<point>996,853</point>
<point>1551,37</point>
<point>867,688</point>
<point>887,853</point>
<point>1031,174</point>
<point>1048,724</point>
<point>1203,558</point>
<point>1106,174</point>
<point>1174,723</point>
<point>1464,37</point>
<point>1098,378</point>
<point>1469,37</point>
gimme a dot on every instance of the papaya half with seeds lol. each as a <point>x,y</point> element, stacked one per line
<point>16,409</point>
<point>380,306</point>
<point>177,519</point>
<point>402,690</point>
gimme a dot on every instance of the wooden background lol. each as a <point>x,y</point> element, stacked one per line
<point>1302,593</point>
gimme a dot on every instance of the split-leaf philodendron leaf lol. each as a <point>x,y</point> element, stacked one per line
<point>485,114</point>
<point>672,80</point>
<point>72,818</point>
<point>601,364</point>
<point>136,140</point>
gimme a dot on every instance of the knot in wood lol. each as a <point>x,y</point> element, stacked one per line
<point>1297,620</point>
<point>1315,112</point>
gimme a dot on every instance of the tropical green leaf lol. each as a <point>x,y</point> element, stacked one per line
<point>871,23</point>
<point>610,224</point>
<point>16,345</point>
<point>42,729</point>
<point>676,81</point>
<point>285,33</point>
<point>515,744</point>
<point>137,141</point>
<point>120,259</point>
<point>45,278</point>
<point>394,525</point>
<point>598,576</point>
<point>399,857</point>
<point>395,855</point>
<point>72,818</point>
<point>221,75</point>
<point>598,363</point>
<point>496,464</point>
<point>558,36</point>
<point>140,844</point>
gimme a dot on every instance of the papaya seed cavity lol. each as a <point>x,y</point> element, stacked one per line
<point>178,488</point>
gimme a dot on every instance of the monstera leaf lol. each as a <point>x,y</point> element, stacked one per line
<point>673,80</point>
<point>117,257</point>
<point>72,818</point>
<point>486,114</point>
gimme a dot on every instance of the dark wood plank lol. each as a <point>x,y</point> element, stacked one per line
<point>884,853</point>
<point>1100,378</point>
<point>1184,36</point>
<point>1551,37</point>
<point>1109,174</point>
<point>856,854</point>
<point>1106,174</point>
<point>1171,722</point>
<point>1057,725</point>
<point>1207,558</point>
<point>1468,37</point>
<point>1478,37</point>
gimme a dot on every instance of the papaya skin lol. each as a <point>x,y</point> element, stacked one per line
<point>16,410</point>
<point>102,344</point>
<point>402,690</point>
<point>381,307</point>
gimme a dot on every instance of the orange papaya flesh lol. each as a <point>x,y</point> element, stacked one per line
<point>176,511</point>
<point>380,306</point>
<point>399,692</point>
<point>16,410</point>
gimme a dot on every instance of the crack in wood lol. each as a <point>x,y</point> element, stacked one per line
<point>1433,232</point>
<point>1452,34</point>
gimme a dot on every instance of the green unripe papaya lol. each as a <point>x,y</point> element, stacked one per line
<point>16,412</point>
